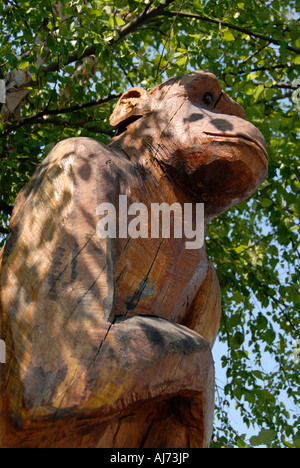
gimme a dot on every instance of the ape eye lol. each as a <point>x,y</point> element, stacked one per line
<point>208,98</point>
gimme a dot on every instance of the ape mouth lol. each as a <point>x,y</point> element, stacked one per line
<point>245,138</point>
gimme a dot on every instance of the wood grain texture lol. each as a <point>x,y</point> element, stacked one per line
<point>109,340</point>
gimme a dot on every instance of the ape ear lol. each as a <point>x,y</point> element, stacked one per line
<point>134,103</point>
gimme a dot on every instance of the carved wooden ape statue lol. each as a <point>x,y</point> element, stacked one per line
<point>109,340</point>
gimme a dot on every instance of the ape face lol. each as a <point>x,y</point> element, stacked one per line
<point>200,135</point>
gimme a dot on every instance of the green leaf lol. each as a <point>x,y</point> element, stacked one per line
<point>266,202</point>
<point>265,437</point>
<point>258,374</point>
<point>49,147</point>
<point>63,29</point>
<point>249,89</point>
<point>249,396</point>
<point>234,321</point>
<point>241,443</point>
<point>258,92</point>
<point>288,444</point>
<point>181,61</point>
<point>240,248</point>
<point>51,42</point>
<point>270,93</point>
<point>116,21</point>
<point>238,339</point>
<point>229,80</point>
<point>228,36</point>
<point>24,65</point>
<point>27,35</point>
<point>275,124</point>
<point>296,441</point>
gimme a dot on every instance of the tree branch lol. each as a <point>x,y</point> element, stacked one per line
<point>277,98</point>
<point>249,32</point>
<point>282,85</point>
<point>64,123</point>
<point>4,230</point>
<point>5,207</point>
<point>39,116</point>
<point>250,57</point>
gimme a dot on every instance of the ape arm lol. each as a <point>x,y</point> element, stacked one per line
<point>57,279</point>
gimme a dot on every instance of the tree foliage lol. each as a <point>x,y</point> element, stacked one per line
<point>76,57</point>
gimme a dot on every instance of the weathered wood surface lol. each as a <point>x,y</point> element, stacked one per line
<point>109,340</point>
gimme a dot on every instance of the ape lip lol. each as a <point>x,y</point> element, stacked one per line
<point>242,136</point>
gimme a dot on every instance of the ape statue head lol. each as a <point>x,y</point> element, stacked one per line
<point>200,135</point>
